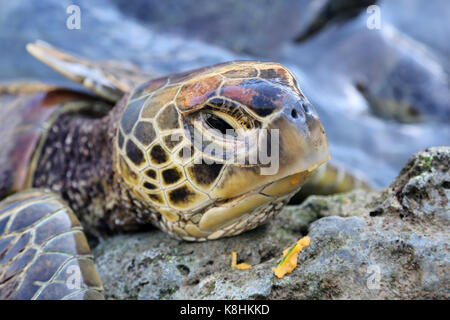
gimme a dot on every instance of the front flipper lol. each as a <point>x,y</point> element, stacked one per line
<point>109,79</point>
<point>44,253</point>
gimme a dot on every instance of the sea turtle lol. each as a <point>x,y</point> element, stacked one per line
<point>127,157</point>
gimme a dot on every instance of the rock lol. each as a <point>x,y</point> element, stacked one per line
<point>385,244</point>
<point>100,37</point>
<point>320,14</point>
<point>422,190</point>
<point>227,23</point>
<point>231,23</point>
<point>423,21</point>
<point>399,78</point>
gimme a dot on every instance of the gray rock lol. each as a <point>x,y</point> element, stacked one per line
<point>316,15</point>
<point>231,23</point>
<point>105,33</point>
<point>399,77</point>
<point>227,23</point>
<point>386,244</point>
<point>423,20</point>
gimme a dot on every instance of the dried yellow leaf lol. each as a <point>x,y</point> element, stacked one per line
<point>240,266</point>
<point>290,256</point>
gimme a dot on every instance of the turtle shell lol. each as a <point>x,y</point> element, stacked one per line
<point>25,115</point>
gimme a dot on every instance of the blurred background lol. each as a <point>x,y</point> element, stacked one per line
<point>376,71</point>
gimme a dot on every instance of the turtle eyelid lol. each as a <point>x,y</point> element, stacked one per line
<point>217,122</point>
<point>239,114</point>
<point>225,106</point>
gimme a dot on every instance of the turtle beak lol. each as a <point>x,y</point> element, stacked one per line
<point>303,143</point>
<point>303,147</point>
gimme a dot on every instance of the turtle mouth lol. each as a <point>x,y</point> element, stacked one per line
<point>276,188</point>
<point>283,185</point>
<point>235,211</point>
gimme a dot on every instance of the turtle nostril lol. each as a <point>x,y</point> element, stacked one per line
<point>307,107</point>
<point>294,114</point>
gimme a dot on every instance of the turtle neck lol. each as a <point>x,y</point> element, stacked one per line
<point>76,161</point>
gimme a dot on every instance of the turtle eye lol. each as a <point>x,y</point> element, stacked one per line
<point>214,121</point>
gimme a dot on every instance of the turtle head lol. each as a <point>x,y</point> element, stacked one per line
<point>217,151</point>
